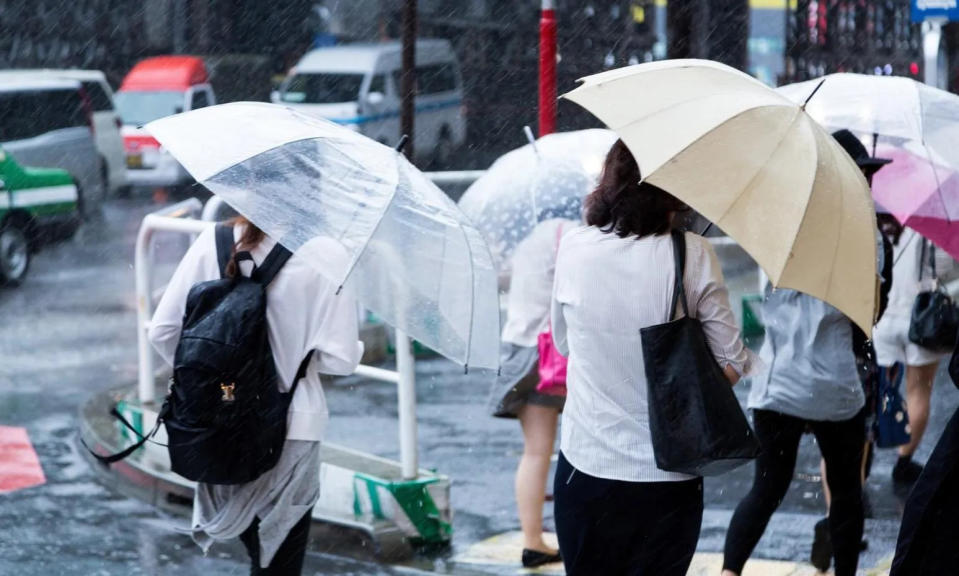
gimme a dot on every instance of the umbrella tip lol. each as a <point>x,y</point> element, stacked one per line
<point>532,139</point>
<point>338,290</point>
<point>402,143</point>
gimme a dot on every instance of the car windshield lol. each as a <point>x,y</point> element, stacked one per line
<point>322,88</point>
<point>138,108</point>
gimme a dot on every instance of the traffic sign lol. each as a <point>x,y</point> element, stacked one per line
<point>934,9</point>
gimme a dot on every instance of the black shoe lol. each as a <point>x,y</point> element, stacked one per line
<point>863,545</point>
<point>534,558</point>
<point>906,471</point>
<point>821,556</point>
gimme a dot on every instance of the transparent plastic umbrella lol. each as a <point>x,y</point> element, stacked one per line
<point>537,182</point>
<point>414,259</point>
<point>899,118</point>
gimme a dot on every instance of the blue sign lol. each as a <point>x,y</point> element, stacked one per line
<point>939,9</point>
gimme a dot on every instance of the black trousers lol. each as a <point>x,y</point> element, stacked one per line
<point>288,560</point>
<point>841,445</point>
<point>619,528</point>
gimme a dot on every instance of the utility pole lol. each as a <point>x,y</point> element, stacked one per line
<point>547,68</point>
<point>681,28</point>
<point>408,88</point>
<point>728,40</point>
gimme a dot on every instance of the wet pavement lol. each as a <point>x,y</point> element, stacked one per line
<point>69,331</point>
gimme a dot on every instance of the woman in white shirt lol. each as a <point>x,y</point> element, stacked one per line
<point>616,512</point>
<point>271,514</point>
<point>514,393</point>
<point>891,335</point>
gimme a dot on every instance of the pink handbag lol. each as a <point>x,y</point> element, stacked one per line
<point>552,367</point>
<point>552,364</point>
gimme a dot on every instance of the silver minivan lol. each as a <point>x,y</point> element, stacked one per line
<point>48,123</point>
<point>358,86</point>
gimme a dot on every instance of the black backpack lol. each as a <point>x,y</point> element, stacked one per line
<point>224,414</point>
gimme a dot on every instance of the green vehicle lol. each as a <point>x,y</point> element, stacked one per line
<point>34,203</point>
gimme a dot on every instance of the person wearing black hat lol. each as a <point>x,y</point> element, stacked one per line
<point>821,555</point>
<point>811,382</point>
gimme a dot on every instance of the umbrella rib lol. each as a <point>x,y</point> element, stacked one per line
<point>922,133</point>
<point>756,174</point>
<point>376,228</point>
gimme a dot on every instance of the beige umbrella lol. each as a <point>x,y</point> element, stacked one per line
<point>755,164</point>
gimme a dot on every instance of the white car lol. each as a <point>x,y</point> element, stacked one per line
<point>106,120</point>
<point>358,85</point>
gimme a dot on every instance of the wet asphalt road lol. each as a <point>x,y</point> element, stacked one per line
<point>69,331</point>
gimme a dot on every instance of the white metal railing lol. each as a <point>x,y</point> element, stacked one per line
<point>174,219</point>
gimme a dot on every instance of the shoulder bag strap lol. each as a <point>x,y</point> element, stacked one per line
<point>679,257</point>
<point>271,265</point>
<point>922,258</point>
<point>224,247</point>
<point>301,372</point>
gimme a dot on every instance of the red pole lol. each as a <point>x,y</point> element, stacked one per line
<point>547,69</point>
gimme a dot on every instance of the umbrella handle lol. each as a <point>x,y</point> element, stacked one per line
<point>402,143</point>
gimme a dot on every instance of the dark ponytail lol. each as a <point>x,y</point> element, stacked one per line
<point>250,239</point>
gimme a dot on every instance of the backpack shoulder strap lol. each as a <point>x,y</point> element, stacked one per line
<point>224,247</point>
<point>301,372</point>
<point>271,265</point>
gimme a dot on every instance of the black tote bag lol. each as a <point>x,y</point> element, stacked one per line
<point>695,420</point>
<point>935,318</point>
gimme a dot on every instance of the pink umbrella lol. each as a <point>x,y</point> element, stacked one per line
<point>921,192</point>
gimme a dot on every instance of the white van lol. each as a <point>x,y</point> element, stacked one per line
<point>358,85</point>
<point>106,121</point>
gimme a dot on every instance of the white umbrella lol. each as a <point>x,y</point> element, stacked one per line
<point>414,259</point>
<point>754,163</point>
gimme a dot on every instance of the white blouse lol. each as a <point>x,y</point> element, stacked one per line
<point>303,313</point>
<point>606,289</point>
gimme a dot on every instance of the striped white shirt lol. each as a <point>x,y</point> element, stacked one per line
<point>606,289</point>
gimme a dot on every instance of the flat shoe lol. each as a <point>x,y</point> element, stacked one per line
<point>534,558</point>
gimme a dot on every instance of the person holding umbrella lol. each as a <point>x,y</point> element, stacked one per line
<point>811,381</point>
<point>616,511</point>
<point>914,259</point>
<point>518,391</point>
<point>272,514</point>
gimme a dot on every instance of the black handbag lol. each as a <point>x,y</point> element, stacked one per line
<point>935,318</point>
<point>695,420</point>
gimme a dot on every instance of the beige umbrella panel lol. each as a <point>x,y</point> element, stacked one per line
<point>755,164</point>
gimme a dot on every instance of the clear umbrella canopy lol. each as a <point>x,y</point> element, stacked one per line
<point>537,182</point>
<point>891,113</point>
<point>413,257</point>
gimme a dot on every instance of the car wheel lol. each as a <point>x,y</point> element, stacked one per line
<point>443,151</point>
<point>14,252</point>
<point>81,202</point>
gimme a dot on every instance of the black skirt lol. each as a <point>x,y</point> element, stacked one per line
<point>515,386</point>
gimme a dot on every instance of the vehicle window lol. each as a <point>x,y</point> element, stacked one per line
<point>434,79</point>
<point>138,108</point>
<point>200,100</point>
<point>378,84</point>
<point>322,88</point>
<point>62,109</point>
<point>99,98</point>
<point>31,113</point>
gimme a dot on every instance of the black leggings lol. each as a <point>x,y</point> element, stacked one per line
<point>841,445</point>
<point>288,560</point>
<point>617,528</point>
